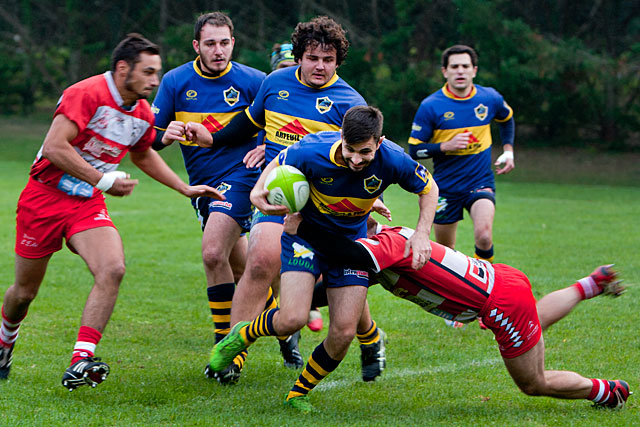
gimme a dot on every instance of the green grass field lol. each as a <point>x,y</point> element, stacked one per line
<point>559,215</point>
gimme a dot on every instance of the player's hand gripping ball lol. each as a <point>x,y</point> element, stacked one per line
<point>288,187</point>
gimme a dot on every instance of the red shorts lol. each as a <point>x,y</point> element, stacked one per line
<point>45,215</point>
<point>511,313</point>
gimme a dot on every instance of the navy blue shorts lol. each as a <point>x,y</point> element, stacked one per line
<point>237,204</point>
<point>298,255</point>
<point>451,206</point>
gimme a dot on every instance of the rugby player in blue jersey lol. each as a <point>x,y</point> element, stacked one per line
<point>205,94</point>
<point>294,102</point>
<point>452,126</point>
<point>347,171</point>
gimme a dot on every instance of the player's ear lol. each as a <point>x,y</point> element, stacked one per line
<point>380,141</point>
<point>122,67</point>
<point>196,46</point>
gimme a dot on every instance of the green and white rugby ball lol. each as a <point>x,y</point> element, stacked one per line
<point>288,187</point>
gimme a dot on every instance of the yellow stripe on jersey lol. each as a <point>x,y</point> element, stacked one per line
<point>212,121</point>
<point>481,139</point>
<point>508,117</point>
<point>340,206</point>
<point>423,174</point>
<point>286,130</point>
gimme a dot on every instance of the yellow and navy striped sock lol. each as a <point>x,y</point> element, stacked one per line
<point>370,336</point>
<point>262,326</point>
<point>220,297</point>
<point>271,301</point>
<point>319,365</point>
<point>486,255</point>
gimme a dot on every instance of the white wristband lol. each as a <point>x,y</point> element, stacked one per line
<point>107,180</point>
<point>507,155</point>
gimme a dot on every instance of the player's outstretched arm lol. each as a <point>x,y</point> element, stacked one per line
<point>150,162</point>
<point>419,242</point>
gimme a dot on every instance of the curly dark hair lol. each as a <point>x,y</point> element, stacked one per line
<point>321,30</point>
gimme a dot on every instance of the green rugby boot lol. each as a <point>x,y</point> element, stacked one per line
<point>226,350</point>
<point>299,403</point>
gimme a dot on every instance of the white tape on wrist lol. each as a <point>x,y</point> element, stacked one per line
<point>107,180</point>
<point>507,155</point>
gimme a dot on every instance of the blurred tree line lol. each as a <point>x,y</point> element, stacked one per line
<point>570,69</point>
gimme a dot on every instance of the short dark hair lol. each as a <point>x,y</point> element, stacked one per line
<point>130,48</point>
<point>321,30</point>
<point>361,123</point>
<point>217,19</point>
<point>456,50</point>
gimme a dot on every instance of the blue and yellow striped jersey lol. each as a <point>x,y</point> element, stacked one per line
<point>287,109</point>
<point>187,95</point>
<point>441,116</point>
<point>340,199</point>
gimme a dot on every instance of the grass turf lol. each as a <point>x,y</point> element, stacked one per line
<point>554,229</point>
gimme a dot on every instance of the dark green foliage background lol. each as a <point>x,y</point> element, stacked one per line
<point>570,69</point>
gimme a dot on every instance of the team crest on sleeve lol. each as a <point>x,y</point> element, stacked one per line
<point>324,104</point>
<point>372,184</point>
<point>481,111</point>
<point>422,172</point>
<point>231,96</point>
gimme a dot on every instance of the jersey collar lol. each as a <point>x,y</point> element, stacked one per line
<point>333,154</point>
<point>449,94</point>
<point>201,74</point>
<point>331,81</point>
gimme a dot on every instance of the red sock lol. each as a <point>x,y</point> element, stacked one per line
<point>88,339</point>
<point>600,391</point>
<point>9,330</point>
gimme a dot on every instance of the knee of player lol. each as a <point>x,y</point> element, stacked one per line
<point>532,388</point>
<point>483,238</point>
<point>111,273</point>
<point>292,321</point>
<point>343,336</point>
<point>262,269</point>
<point>212,257</point>
<point>24,294</point>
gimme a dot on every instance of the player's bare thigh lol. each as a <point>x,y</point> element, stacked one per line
<point>482,213</point>
<point>446,234</point>
<point>527,370</point>
<point>101,248</point>
<point>264,249</point>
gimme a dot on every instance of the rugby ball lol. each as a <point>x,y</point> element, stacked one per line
<point>288,187</point>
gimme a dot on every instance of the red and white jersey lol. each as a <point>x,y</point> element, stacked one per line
<point>106,131</point>
<point>451,285</point>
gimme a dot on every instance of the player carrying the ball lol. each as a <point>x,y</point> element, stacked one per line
<point>292,103</point>
<point>346,171</point>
